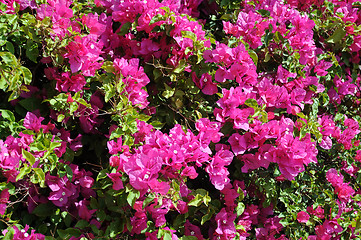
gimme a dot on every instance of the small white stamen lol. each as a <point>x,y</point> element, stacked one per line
<point>58,134</point>
<point>5,145</point>
<point>63,193</point>
<point>205,80</point>
<point>192,233</point>
<point>61,199</point>
<point>175,151</point>
<point>146,176</point>
<point>92,46</point>
<point>23,230</point>
<point>19,144</point>
<point>6,154</point>
<point>26,235</point>
<point>138,44</point>
<point>98,219</point>
<point>224,221</point>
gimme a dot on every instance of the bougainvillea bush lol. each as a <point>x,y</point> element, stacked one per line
<point>196,119</point>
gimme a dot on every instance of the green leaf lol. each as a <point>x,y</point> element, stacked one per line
<point>68,233</point>
<point>206,200</point>
<point>169,92</point>
<point>6,114</point>
<point>109,91</point>
<point>133,195</point>
<point>125,28</point>
<point>41,175</point>
<point>181,66</point>
<point>301,115</point>
<point>208,216</point>
<point>30,104</point>
<point>60,117</point>
<point>190,35</point>
<point>254,56</point>
<point>315,107</point>
<point>28,156</point>
<point>303,132</point>
<point>69,172</point>
<point>264,13</point>
<point>188,238</point>
<point>10,47</point>
<point>241,194</point>
<point>240,208</point>
<point>28,76</point>
<point>54,145</point>
<point>157,124</point>
<point>73,107</point>
<point>9,59</point>
<point>339,116</point>
<point>23,171</point>
<point>197,201</point>
<point>101,215</point>
<point>14,95</point>
<point>10,234</point>
<point>157,18</point>
<point>267,57</point>
<point>108,67</point>
<point>338,35</point>
<point>44,210</point>
<point>81,224</point>
<point>252,103</point>
<point>32,51</point>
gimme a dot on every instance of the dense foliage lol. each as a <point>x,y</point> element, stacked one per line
<point>175,119</point>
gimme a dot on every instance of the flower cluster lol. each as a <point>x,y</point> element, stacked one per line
<point>180,119</point>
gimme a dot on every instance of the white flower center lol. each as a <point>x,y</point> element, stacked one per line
<point>63,193</point>
<point>58,134</point>
<point>146,176</point>
<point>192,233</point>
<point>224,221</point>
<point>175,151</point>
<point>61,199</point>
<point>26,235</point>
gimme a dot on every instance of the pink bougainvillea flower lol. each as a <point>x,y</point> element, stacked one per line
<point>205,83</point>
<point>139,222</point>
<point>83,211</point>
<point>4,199</point>
<point>24,235</point>
<point>117,181</point>
<point>192,230</point>
<point>302,217</point>
<point>32,122</point>
<point>225,224</point>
